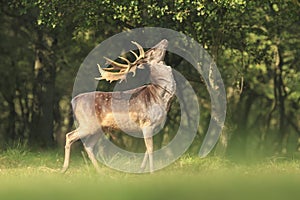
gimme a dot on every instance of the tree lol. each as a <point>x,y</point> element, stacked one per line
<point>255,44</point>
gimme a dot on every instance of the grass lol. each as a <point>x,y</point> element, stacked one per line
<point>35,175</point>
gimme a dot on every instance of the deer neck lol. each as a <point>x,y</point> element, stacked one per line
<point>161,75</point>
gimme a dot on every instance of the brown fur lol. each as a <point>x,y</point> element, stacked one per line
<point>139,110</point>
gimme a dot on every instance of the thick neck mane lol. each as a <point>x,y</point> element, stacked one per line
<point>161,75</point>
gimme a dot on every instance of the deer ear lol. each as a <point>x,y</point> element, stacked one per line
<point>150,54</point>
<point>141,66</point>
<point>156,55</point>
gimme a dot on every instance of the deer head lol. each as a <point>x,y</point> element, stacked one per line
<point>119,71</point>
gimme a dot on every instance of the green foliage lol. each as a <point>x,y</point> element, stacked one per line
<point>254,43</point>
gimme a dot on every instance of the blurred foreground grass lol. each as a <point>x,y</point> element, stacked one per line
<point>28,175</point>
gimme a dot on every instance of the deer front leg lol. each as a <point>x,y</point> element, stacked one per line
<point>89,144</point>
<point>71,137</point>
<point>147,132</point>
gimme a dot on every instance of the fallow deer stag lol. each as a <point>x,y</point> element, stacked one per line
<point>147,105</point>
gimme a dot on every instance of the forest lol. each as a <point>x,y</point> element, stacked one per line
<point>255,44</point>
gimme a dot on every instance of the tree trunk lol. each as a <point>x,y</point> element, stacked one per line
<point>43,96</point>
<point>283,134</point>
<point>239,138</point>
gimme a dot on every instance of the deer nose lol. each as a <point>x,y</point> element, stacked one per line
<point>164,42</point>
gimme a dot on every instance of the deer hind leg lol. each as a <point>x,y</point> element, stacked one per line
<point>147,132</point>
<point>71,137</point>
<point>143,165</point>
<point>89,144</point>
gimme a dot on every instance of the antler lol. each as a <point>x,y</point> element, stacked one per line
<point>118,71</point>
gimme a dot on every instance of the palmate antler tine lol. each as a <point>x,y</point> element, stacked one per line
<point>115,64</point>
<point>136,56</point>
<point>133,70</point>
<point>141,50</point>
<point>101,71</point>
<point>119,71</point>
<point>125,59</point>
<point>110,76</point>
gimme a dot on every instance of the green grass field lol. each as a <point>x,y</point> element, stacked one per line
<point>28,175</point>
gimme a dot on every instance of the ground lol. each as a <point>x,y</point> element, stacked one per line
<point>35,175</point>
